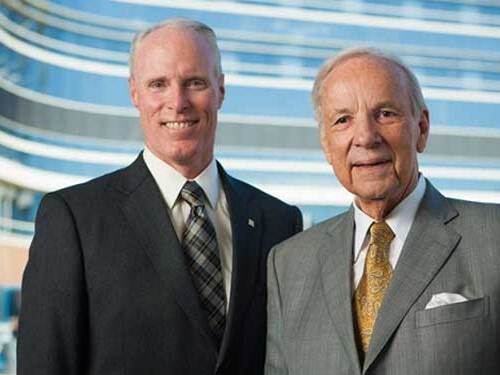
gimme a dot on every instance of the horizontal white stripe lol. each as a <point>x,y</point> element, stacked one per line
<point>270,82</point>
<point>93,67</point>
<point>43,181</point>
<point>457,173</point>
<point>338,196</point>
<point>278,38</point>
<point>241,164</point>
<point>64,153</point>
<point>257,120</point>
<point>58,22</point>
<point>78,15</point>
<point>6,222</point>
<point>35,179</point>
<point>243,119</point>
<point>68,104</point>
<point>471,96</point>
<point>297,166</point>
<point>15,240</point>
<point>343,18</point>
<point>415,10</point>
<point>472,195</point>
<point>60,45</point>
<point>67,62</point>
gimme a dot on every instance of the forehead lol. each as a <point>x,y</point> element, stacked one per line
<point>366,76</point>
<point>175,47</point>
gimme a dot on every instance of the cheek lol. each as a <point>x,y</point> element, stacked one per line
<point>338,153</point>
<point>150,103</point>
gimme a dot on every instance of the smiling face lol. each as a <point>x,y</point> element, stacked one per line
<point>370,134</point>
<point>177,91</point>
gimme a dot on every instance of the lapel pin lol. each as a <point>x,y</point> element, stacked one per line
<point>251,223</point>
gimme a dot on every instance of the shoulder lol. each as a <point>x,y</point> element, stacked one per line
<point>258,197</point>
<point>92,188</point>
<point>477,215</point>
<point>470,207</point>
<point>307,244</point>
<point>97,191</point>
<point>253,192</point>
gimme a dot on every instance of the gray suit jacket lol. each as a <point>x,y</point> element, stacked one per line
<point>453,246</point>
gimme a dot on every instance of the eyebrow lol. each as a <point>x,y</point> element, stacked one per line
<point>341,110</point>
<point>387,103</point>
<point>153,79</point>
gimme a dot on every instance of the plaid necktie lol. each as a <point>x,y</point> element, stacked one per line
<point>376,277</point>
<point>200,245</point>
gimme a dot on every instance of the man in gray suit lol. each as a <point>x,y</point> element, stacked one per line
<point>406,281</point>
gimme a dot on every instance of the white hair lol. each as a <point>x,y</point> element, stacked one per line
<point>417,99</point>
<point>182,24</point>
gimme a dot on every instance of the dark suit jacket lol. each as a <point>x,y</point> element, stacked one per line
<point>453,247</point>
<point>106,290</point>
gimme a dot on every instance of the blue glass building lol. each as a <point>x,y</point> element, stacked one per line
<point>65,114</point>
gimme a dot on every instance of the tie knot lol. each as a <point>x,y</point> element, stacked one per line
<point>381,233</point>
<point>192,193</point>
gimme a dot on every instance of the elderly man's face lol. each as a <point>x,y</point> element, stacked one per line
<point>369,132</point>
<point>177,92</point>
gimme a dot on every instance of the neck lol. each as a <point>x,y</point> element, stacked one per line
<point>378,209</point>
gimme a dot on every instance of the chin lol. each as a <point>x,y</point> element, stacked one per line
<point>373,194</point>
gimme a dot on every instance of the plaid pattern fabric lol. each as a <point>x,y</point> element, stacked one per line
<point>200,244</point>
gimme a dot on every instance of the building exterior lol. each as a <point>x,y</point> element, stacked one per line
<point>65,115</point>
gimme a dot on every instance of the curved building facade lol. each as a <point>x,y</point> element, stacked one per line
<point>65,114</point>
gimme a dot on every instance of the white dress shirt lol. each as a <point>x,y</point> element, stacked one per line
<point>171,182</point>
<point>399,219</point>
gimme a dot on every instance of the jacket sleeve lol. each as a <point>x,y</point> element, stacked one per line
<point>299,225</point>
<point>53,324</point>
<point>275,360</point>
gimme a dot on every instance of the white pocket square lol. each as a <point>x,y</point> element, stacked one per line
<point>442,299</point>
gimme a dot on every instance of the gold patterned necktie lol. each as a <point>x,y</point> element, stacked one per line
<point>370,292</point>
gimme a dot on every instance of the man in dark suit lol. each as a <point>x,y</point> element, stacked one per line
<point>406,281</point>
<point>158,268</point>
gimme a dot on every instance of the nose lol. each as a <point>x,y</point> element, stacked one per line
<point>178,100</point>
<point>366,132</point>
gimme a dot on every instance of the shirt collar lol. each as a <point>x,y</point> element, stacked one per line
<point>170,181</point>
<point>399,219</point>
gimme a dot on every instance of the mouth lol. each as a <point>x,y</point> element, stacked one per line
<point>371,163</point>
<point>177,124</point>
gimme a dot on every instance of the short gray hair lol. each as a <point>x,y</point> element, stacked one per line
<point>178,24</point>
<point>417,97</point>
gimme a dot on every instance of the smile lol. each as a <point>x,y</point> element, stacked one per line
<point>371,164</point>
<point>178,124</point>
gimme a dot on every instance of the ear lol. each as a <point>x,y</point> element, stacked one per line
<point>132,89</point>
<point>325,143</point>
<point>424,127</point>
<point>222,90</point>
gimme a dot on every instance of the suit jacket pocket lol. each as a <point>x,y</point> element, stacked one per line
<point>472,309</point>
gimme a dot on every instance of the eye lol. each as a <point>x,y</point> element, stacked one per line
<point>196,83</point>
<point>385,115</point>
<point>341,120</point>
<point>156,84</point>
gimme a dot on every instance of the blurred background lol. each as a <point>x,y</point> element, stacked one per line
<point>65,114</point>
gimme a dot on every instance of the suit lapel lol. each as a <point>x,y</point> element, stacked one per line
<point>246,227</point>
<point>426,249</point>
<point>146,213</point>
<point>336,277</point>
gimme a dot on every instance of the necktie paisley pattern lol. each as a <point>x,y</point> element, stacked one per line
<point>375,279</point>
